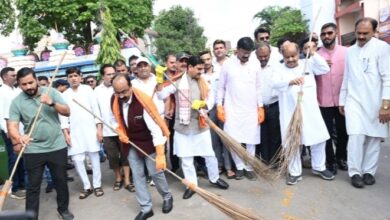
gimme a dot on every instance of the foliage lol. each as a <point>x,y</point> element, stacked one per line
<point>73,18</point>
<point>178,31</point>
<point>109,47</point>
<point>7,17</point>
<point>283,22</point>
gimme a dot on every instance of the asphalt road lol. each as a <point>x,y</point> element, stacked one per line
<point>312,198</point>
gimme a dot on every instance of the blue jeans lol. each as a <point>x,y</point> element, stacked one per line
<point>19,179</point>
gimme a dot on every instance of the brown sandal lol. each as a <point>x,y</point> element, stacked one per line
<point>84,194</point>
<point>117,185</point>
<point>98,192</point>
<point>130,187</point>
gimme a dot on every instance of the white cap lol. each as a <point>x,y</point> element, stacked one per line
<point>143,59</point>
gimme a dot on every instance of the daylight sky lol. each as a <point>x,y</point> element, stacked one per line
<point>225,19</point>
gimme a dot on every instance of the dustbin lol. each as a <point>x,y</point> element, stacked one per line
<point>3,161</point>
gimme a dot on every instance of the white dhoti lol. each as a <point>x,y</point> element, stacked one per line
<point>363,154</point>
<point>188,146</point>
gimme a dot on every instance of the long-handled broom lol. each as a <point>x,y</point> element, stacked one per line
<point>8,183</point>
<point>229,208</point>
<point>293,140</point>
<point>261,170</point>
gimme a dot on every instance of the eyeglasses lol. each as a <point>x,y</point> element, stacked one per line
<point>327,33</point>
<point>264,38</point>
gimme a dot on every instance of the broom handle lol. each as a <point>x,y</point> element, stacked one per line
<point>131,143</point>
<point>308,49</point>
<point>36,116</point>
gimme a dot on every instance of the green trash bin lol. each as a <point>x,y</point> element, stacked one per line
<point>3,161</point>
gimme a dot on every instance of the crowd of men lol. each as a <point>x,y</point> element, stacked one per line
<point>251,95</point>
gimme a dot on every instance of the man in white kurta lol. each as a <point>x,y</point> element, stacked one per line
<point>287,81</point>
<point>365,99</point>
<point>191,139</point>
<point>239,98</point>
<point>82,131</point>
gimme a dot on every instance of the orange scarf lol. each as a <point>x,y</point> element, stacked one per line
<point>148,104</point>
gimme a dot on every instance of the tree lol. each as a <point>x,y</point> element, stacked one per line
<point>7,17</point>
<point>109,47</point>
<point>179,31</point>
<point>283,22</point>
<point>73,18</point>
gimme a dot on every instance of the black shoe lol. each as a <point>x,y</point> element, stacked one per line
<point>332,168</point>
<point>239,174</point>
<point>188,194</point>
<point>49,187</point>
<point>251,175</point>
<point>69,179</point>
<point>220,183</point>
<point>167,205</point>
<point>103,159</point>
<point>357,181</point>
<point>89,171</point>
<point>142,216</point>
<point>342,165</point>
<point>69,166</point>
<point>66,215</point>
<point>368,179</point>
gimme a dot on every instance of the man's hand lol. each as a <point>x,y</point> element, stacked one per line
<point>220,113</point>
<point>297,81</point>
<point>160,70</point>
<point>99,135</point>
<point>198,104</point>
<point>384,115</point>
<point>46,99</point>
<point>17,148</point>
<point>25,140</point>
<point>161,163</point>
<point>341,110</point>
<point>260,114</point>
<point>122,136</point>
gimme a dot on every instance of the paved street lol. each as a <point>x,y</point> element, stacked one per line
<point>312,198</point>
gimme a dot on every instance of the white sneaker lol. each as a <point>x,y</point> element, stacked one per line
<point>18,195</point>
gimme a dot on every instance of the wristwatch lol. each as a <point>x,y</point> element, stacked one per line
<point>52,104</point>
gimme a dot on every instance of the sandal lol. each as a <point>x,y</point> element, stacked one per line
<point>84,194</point>
<point>117,185</point>
<point>130,187</point>
<point>98,192</point>
<point>230,174</point>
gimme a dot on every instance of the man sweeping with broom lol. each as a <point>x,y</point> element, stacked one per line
<point>47,144</point>
<point>192,135</point>
<point>287,81</point>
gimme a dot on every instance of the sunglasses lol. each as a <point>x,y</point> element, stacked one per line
<point>264,38</point>
<point>90,81</point>
<point>327,33</point>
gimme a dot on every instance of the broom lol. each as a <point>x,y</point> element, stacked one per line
<point>229,208</point>
<point>261,170</point>
<point>293,140</point>
<point>8,183</point>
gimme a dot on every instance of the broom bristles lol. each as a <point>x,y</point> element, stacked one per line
<point>229,208</point>
<point>261,170</point>
<point>4,192</point>
<point>292,142</point>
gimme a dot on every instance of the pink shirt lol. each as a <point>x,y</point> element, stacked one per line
<point>329,85</point>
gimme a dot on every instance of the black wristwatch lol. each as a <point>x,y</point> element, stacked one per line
<point>52,104</point>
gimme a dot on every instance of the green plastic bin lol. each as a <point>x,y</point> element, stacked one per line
<point>3,161</point>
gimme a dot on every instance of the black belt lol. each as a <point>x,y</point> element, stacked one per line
<point>271,105</point>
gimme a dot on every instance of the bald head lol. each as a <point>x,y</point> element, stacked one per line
<point>263,53</point>
<point>122,86</point>
<point>290,53</point>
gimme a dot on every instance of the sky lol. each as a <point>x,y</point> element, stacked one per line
<point>225,19</point>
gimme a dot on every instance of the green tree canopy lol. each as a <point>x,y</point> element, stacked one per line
<point>7,17</point>
<point>179,31</point>
<point>73,18</point>
<point>283,22</point>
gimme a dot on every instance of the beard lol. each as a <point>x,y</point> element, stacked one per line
<point>328,43</point>
<point>31,92</point>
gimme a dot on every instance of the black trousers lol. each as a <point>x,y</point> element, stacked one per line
<point>174,159</point>
<point>270,133</point>
<point>35,164</point>
<point>335,123</point>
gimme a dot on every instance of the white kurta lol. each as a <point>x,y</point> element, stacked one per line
<point>103,96</point>
<point>240,92</point>
<point>313,126</point>
<point>82,124</point>
<point>193,144</point>
<point>366,82</point>
<point>7,94</point>
<point>149,87</point>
